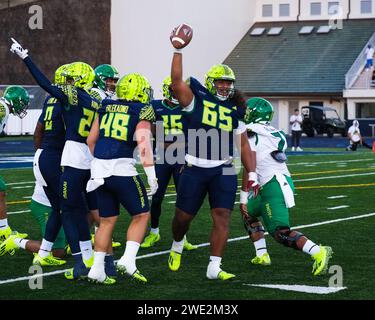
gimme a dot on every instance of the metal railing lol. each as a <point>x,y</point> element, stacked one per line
<point>358,66</point>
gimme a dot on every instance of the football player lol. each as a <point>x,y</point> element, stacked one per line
<point>79,111</point>
<point>121,126</point>
<point>49,139</point>
<point>106,77</point>
<point>15,100</point>
<point>214,110</point>
<point>168,115</point>
<point>276,194</point>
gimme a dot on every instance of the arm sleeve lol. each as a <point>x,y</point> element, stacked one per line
<point>43,82</point>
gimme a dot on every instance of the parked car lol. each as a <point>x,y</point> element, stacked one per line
<point>320,120</point>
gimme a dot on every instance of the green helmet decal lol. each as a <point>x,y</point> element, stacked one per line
<point>81,73</point>
<point>59,78</point>
<point>167,91</point>
<point>18,98</point>
<point>219,72</point>
<point>103,72</point>
<point>258,110</point>
<point>134,87</point>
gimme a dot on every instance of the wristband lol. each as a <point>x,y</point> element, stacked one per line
<point>244,197</point>
<point>150,172</point>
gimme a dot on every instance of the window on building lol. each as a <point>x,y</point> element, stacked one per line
<point>284,10</point>
<point>366,6</point>
<point>316,103</point>
<point>267,10</point>
<point>333,8</point>
<point>365,110</point>
<point>316,8</point>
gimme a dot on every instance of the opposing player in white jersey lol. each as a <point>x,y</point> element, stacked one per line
<point>106,77</point>
<point>14,101</point>
<point>276,194</point>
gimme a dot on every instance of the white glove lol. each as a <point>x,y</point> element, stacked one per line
<point>17,48</point>
<point>151,180</point>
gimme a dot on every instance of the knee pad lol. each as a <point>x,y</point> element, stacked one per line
<point>282,235</point>
<point>249,227</point>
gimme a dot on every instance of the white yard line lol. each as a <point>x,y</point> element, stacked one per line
<point>299,288</point>
<point>47,274</point>
<point>338,207</point>
<point>337,197</point>
<point>16,212</point>
<point>23,187</point>
<point>23,182</point>
<point>325,162</point>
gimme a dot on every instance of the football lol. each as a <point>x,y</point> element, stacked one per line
<point>181,36</point>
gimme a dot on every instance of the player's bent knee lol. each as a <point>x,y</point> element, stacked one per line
<point>287,237</point>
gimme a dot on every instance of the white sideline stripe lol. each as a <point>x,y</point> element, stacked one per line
<point>337,197</point>
<point>199,245</point>
<point>27,197</point>
<point>23,187</point>
<point>338,207</point>
<point>23,182</point>
<point>171,201</point>
<point>15,212</point>
<point>299,288</point>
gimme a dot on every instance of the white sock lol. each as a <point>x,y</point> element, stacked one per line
<point>45,248</point>
<point>3,224</point>
<point>97,270</point>
<point>178,246</point>
<point>213,267</point>
<point>128,258</point>
<point>86,249</point>
<point>260,247</point>
<point>21,243</point>
<point>310,248</point>
<point>155,230</point>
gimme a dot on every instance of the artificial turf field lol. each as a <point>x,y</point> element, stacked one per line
<point>317,177</point>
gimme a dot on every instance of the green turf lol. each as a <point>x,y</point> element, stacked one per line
<point>351,240</point>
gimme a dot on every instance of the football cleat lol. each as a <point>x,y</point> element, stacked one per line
<point>174,260</point>
<point>321,260</point>
<point>95,276</point>
<point>9,245</point>
<point>263,260</point>
<point>188,246</point>
<point>5,233</point>
<point>116,244</point>
<point>137,276</point>
<point>76,273</point>
<point>50,260</point>
<point>150,240</point>
<point>222,275</point>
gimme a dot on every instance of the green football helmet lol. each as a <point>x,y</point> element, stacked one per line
<point>81,73</point>
<point>59,78</point>
<point>220,72</point>
<point>134,87</point>
<point>102,73</point>
<point>18,99</point>
<point>167,90</point>
<point>258,110</point>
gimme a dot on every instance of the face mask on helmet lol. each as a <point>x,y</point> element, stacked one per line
<point>106,78</point>
<point>219,82</point>
<point>168,92</point>
<point>134,87</point>
<point>18,99</point>
<point>258,110</point>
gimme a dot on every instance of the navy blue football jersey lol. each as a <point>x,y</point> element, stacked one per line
<point>213,122</point>
<point>170,117</point>
<point>79,107</point>
<point>117,122</point>
<point>54,128</point>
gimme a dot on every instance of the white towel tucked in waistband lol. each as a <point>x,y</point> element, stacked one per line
<point>286,189</point>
